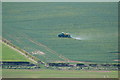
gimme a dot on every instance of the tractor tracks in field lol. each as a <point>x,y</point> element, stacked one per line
<point>45,47</point>
<point>49,50</point>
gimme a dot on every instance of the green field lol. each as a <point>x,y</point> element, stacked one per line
<point>0,51</point>
<point>35,26</point>
<point>9,54</point>
<point>58,74</point>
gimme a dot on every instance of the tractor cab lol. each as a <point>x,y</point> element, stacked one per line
<point>64,35</point>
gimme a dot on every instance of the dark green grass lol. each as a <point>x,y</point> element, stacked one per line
<point>95,23</point>
<point>57,74</point>
<point>8,54</point>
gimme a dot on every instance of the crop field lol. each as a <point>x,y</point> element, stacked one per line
<point>9,54</point>
<point>0,51</point>
<point>34,27</point>
<point>58,74</point>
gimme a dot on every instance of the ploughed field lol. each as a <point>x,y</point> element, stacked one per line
<point>34,27</point>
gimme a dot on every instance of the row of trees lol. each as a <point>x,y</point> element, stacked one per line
<point>80,66</point>
<point>18,65</point>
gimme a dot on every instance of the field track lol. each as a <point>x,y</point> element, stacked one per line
<point>55,53</point>
<point>50,50</point>
<point>19,52</point>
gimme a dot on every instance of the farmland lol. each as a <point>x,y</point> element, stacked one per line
<point>58,74</point>
<point>34,27</point>
<point>9,54</point>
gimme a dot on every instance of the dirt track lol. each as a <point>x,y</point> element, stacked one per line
<point>19,52</point>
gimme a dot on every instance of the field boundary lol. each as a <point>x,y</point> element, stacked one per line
<point>23,52</point>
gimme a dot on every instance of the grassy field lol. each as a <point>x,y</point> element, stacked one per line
<point>35,26</point>
<point>0,51</point>
<point>9,54</point>
<point>58,74</point>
